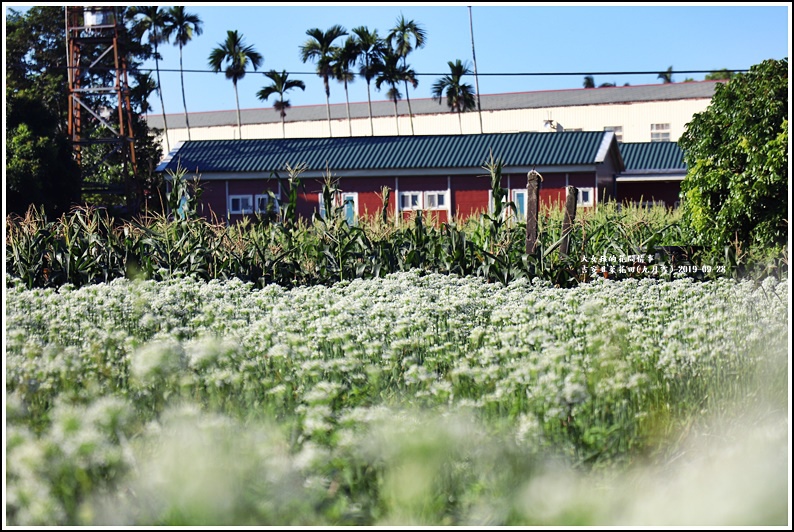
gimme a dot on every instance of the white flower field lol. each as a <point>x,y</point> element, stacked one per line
<point>406,400</point>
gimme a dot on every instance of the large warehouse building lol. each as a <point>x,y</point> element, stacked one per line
<point>642,113</point>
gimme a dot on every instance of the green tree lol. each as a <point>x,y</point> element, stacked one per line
<point>392,73</point>
<point>736,151</point>
<point>182,26</point>
<point>236,56</point>
<point>460,96</point>
<point>405,37</point>
<point>667,76</point>
<point>320,48</point>
<point>370,59</point>
<point>720,74</point>
<point>280,85</point>
<point>145,85</point>
<point>344,59</point>
<point>40,167</point>
<point>151,21</point>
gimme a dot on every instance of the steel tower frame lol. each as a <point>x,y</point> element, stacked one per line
<point>95,37</point>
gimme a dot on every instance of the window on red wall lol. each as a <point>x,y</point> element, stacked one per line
<point>241,204</point>
<point>347,200</point>
<point>519,199</point>
<point>265,203</point>
<point>431,200</point>
<point>410,201</point>
<point>436,200</point>
<point>585,197</point>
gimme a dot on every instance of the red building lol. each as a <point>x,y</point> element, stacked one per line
<point>442,175</point>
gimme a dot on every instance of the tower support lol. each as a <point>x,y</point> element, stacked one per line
<point>100,114</point>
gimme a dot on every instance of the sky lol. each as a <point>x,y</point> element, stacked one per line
<point>510,40</point>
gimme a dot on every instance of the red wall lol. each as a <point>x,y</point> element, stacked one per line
<point>552,190</point>
<point>246,186</point>
<point>369,190</point>
<point>213,200</point>
<point>469,196</point>
<point>469,193</point>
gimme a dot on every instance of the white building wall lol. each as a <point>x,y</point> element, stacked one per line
<point>635,119</point>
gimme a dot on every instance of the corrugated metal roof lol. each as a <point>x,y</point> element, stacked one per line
<point>419,106</point>
<point>390,153</point>
<point>652,156</point>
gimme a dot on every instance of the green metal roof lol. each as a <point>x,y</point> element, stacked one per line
<point>387,153</point>
<point>652,156</point>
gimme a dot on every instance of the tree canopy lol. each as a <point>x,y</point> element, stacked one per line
<point>319,48</point>
<point>735,191</point>
<point>183,27</point>
<point>236,56</point>
<point>280,85</point>
<point>460,96</point>
<point>720,74</point>
<point>40,167</point>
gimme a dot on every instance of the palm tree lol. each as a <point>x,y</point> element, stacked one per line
<point>236,55</point>
<point>143,88</point>
<point>589,82</point>
<point>280,86</point>
<point>345,57</point>
<point>371,49</point>
<point>392,73</point>
<point>460,96</point>
<point>151,20</point>
<point>183,26</point>
<point>320,48</point>
<point>666,77</point>
<point>404,38</point>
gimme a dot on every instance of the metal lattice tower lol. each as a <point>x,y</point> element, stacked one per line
<point>100,113</point>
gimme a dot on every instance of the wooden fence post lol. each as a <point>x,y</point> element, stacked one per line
<point>533,192</point>
<point>572,193</point>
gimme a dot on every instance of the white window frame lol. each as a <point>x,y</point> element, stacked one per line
<point>343,200</point>
<point>617,130</point>
<point>660,132</point>
<point>505,199</point>
<point>590,192</point>
<point>339,200</point>
<point>521,213</point>
<point>321,205</point>
<point>267,197</point>
<point>410,195</point>
<point>242,209</point>
<point>432,196</point>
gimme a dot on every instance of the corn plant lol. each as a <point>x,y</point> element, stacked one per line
<point>27,243</point>
<point>87,246</point>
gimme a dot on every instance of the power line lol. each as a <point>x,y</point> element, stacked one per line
<point>586,73</point>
